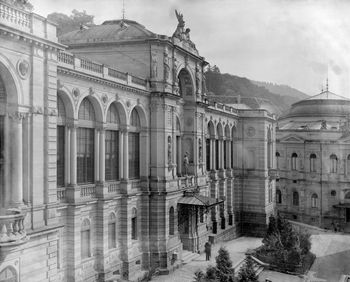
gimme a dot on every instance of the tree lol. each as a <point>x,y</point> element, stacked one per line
<point>224,270</point>
<point>247,272</point>
<point>67,23</point>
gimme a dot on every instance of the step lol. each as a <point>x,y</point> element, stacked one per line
<point>188,256</point>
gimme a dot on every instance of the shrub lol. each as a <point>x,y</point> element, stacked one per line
<point>247,272</point>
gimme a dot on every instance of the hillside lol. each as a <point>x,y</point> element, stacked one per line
<point>233,89</point>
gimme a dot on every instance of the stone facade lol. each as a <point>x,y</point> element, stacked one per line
<point>313,159</point>
<point>186,170</point>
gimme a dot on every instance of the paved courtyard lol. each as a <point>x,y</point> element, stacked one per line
<point>332,260</point>
<point>236,248</point>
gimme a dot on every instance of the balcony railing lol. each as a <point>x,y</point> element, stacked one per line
<point>88,191</point>
<point>273,173</point>
<point>12,229</point>
<point>113,187</point>
<point>14,17</point>
<point>61,194</point>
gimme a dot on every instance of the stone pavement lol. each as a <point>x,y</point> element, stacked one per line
<point>236,248</point>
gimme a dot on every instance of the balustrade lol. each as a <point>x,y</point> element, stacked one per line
<point>61,194</point>
<point>12,16</point>
<point>88,191</point>
<point>113,187</point>
<point>12,227</point>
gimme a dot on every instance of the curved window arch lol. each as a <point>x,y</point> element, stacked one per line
<point>185,84</point>
<point>134,224</point>
<point>314,201</point>
<point>233,146</point>
<point>312,163</point>
<point>112,241</point>
<point>333,193</point>
<point>295,198</point>
<point>134,145</point>
<point>171,221</point>
<point>85,239</point>
<point>208,146</point>
<point>294,161</point>
<point>8,274</point>
<point>112,144</point>
<point>278,196</point>
<point>334,163</point>
<point>86,143</point>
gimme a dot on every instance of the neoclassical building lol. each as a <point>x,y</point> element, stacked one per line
<point>113,161</point>
<point>313,162</point>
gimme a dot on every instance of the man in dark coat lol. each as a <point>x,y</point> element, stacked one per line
<point>207,248</point>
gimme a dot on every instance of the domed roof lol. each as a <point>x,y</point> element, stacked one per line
<point>321,105</point>
<point>109,31</point>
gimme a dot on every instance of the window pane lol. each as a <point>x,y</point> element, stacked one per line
<point>112,155</point>
<point>60,155</point>
<point>85,155</point>
<point>134,155</point>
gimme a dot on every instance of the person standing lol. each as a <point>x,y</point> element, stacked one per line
<point>207,248</point>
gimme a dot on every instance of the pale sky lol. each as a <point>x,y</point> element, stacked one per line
<point>293,42</point>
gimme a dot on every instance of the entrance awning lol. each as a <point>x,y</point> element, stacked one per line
<point>199,200</point>
<point>344,205</point>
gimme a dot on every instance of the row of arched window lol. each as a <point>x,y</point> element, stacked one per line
<point>312,160</point>
<point>86,141</point>
<point>85,233</point>
<point>295,199</point>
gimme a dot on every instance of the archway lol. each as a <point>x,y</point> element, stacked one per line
<point>8,275</point>
<point>186,88</point>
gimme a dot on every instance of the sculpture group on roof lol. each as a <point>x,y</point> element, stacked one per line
<point>182,33</point>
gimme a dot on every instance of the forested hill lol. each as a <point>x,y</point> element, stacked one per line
<point>229,88</point>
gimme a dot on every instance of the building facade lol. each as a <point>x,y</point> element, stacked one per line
<point>113,162</point>
<point>313,161</point>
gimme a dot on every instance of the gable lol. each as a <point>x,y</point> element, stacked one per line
<point>292,139</point>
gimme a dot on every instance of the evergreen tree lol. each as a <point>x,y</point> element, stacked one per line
<point>247,272</point>
<point>224,270</point>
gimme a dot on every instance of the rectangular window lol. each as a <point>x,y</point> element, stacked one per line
<point>216,154</point>
<point>85,155</point>
<point>134,228</point>
<point>85,244</point>
<point>60,155</point>
<point>225,153</point>
<point>134,155</point>
<point>112,155</point>
<point>111,235</point>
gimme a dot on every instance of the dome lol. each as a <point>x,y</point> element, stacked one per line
<point>325,104</point>
<point>109,31</point>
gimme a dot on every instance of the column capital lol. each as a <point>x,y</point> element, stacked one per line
<point>17,116</point>
<point>124,129</point>
<point>72,124</point>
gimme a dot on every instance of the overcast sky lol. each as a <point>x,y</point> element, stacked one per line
<point>294,42</point>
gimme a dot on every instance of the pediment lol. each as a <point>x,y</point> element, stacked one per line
<point>292,139</point>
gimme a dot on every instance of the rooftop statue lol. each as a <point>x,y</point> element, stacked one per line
<point>182,33</point>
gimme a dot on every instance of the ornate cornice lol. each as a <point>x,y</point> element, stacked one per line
<point>102,81</point>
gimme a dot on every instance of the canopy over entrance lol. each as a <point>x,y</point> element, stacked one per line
<point>199,200</point>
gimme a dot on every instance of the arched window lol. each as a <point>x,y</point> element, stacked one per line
<point>85,239</point>
<point>334,163</point>
<point>295,199</point>
<point>134,145</point>
<point>277,160</point>
<point>269,149</point>
<point>112,231</point>
<point>348,165</point>
<point>312,162</point>
<point>134,224</point>
<point>314,200</point>
<point>270,193</point>
<point>333,193</point>
<point>60,160</point>
<point>209,152</point>
<point>294,161</point>
<point>278,196</point>
<point>86,143</point>
<point>233,146</point>
<point>226,146</point>
<point>112,144</point>
<point>8,274</point>
<point>218,153</point>
<point>171,221</point>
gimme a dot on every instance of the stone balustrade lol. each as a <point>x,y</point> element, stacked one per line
<point>113,187</point>
<point>273,173</point>
<point>88,191</point>
<point>15,17</point>
<point>61,194</point>
<point>70,61</point>
<point>12,229</point>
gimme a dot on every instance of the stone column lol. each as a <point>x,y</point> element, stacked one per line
<point>16,158</point>
<point>126,155</point>
<point>67,155</point>
<point>7,158</point>
<point>228,151</point>
<point>121,156</point>
<point>73,156</point>
<point>102,155</point>
<point>212,151</point>
<point>97,154</point>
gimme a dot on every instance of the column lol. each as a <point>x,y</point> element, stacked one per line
<point>16,158</point>
<point>212,151</point>
<point>102,155</point>
<point>121,156</point>
<point>126,155</point>
<point>73,156</point>
<point>7,158</point>
<point>97,154</point>
<point>67,155</point>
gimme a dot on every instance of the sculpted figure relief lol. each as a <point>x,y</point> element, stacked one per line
<point>166,66</point>
<point>154,65</point>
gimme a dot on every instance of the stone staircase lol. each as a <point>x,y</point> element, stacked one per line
<point>188,256</point>
<point>258,265</point>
